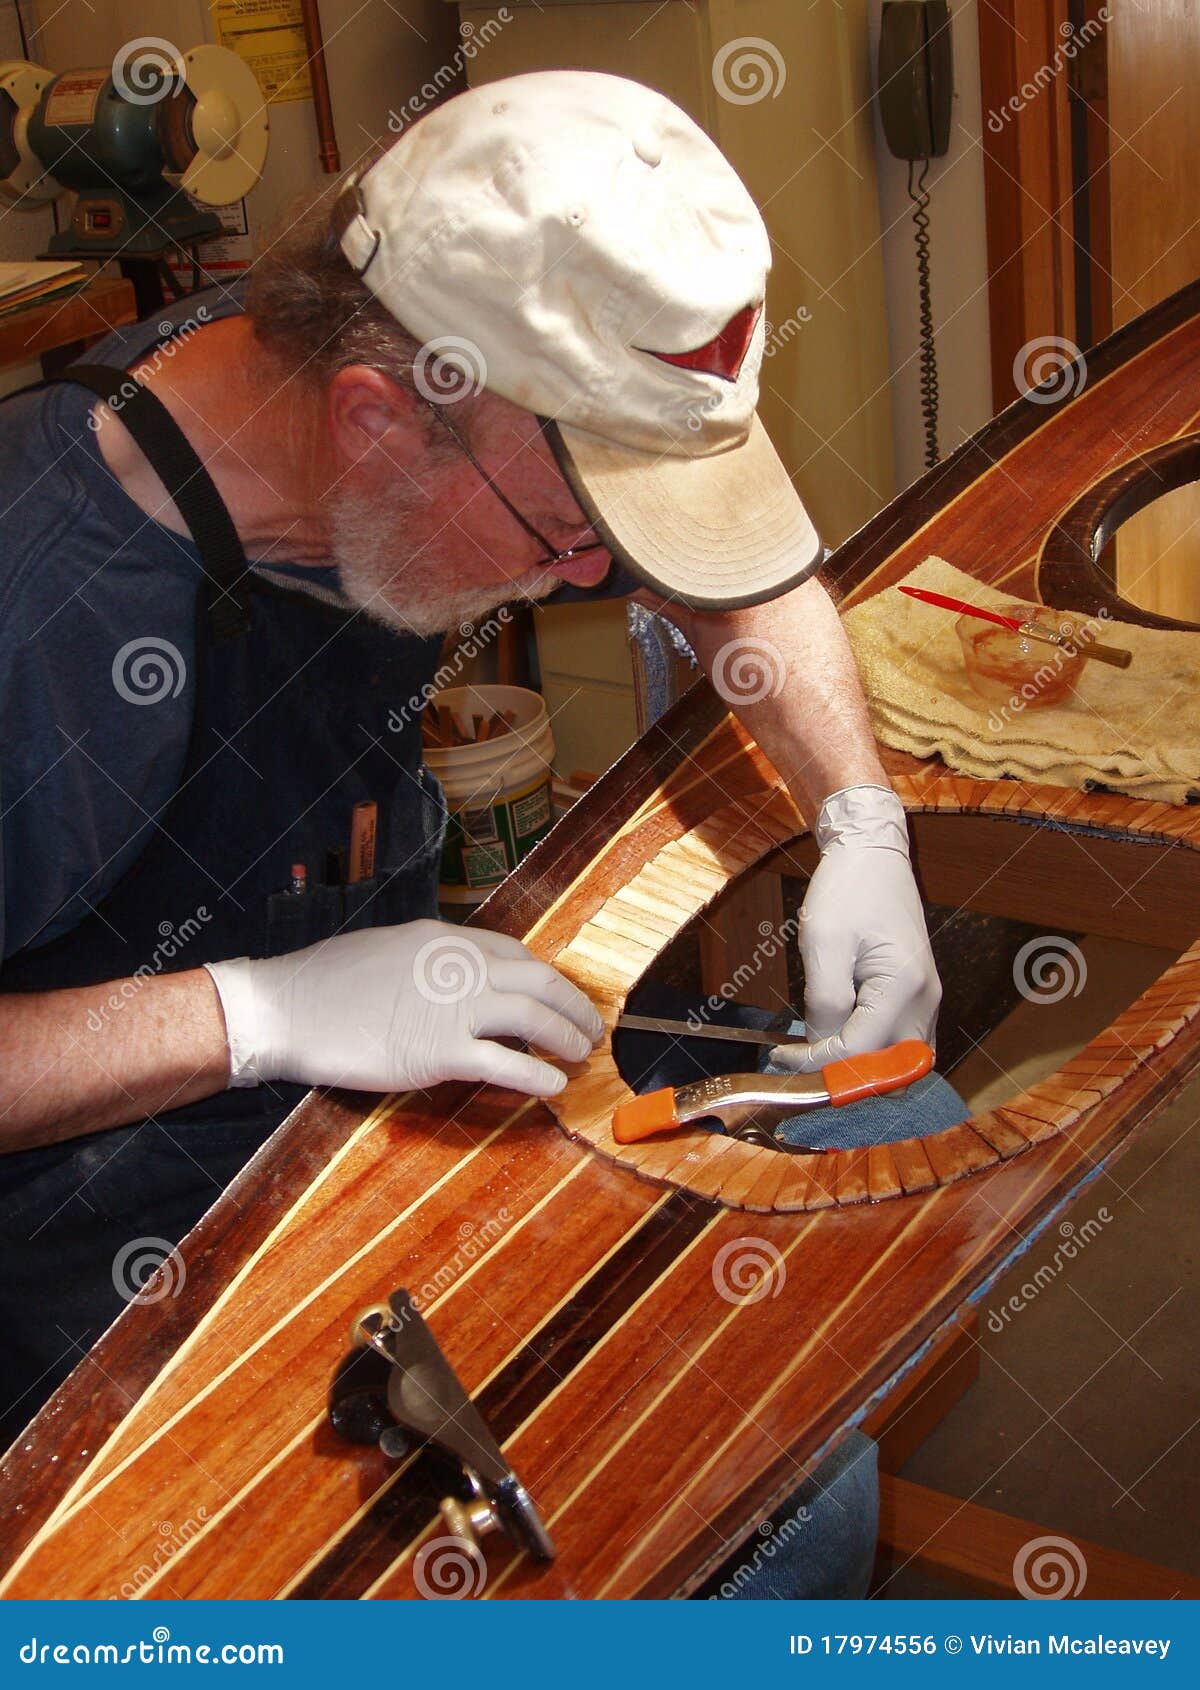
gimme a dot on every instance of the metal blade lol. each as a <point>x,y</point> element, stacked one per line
<point>685,1030</point>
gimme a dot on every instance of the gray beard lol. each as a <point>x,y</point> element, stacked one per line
<point>412,594</point>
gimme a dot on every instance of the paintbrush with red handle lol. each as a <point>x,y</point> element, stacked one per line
<point>1116,655</point>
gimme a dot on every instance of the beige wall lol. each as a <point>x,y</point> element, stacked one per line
<point>839,395</point>
<point>375,53</point>
<point>22,233</point>
<point>807,156</point>
<point>806,152</point>
<point>958,264</point>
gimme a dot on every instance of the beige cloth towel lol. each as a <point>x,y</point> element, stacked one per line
<point>1136,730</point>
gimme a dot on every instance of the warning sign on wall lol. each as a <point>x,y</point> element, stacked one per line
<point>269,36</point>
<point>222,256</point>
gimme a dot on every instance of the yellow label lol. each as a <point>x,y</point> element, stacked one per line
<point>269,36</point>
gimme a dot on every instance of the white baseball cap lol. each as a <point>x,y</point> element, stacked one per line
<point>600,262</point>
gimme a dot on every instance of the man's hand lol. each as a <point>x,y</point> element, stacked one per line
<point>395,1007</point>
<point>870,978</point>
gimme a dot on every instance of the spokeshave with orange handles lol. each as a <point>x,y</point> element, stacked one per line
<point>739,1101</point>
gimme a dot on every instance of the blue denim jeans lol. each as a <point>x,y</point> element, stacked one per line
<point>820,1543</point>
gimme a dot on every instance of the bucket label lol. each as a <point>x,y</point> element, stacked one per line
<point>484,842</point>
<point>479,825</point>
<point>530,815</point>
<point>484,865</point>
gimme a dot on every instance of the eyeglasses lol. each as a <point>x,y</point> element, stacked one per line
<point>552,556</point>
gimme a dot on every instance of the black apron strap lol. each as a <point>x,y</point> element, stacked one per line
<point>171,456</point>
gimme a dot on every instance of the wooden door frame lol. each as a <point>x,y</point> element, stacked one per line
<point>1044,92</point>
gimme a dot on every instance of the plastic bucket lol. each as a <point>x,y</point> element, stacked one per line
<point>498,793</point>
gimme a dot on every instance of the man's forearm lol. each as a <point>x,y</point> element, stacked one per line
<point>811,718</point>
<point>76,1061</point>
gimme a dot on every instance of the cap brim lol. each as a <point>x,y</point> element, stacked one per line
<point>713,533</point>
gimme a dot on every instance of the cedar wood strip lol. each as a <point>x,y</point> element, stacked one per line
<point>136,1347</point>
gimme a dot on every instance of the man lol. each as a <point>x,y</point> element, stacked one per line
<point>180,728</point>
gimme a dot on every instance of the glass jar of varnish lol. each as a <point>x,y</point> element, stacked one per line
<point>1007,667</point>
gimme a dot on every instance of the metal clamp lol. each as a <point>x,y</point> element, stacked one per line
<point>418,1397</point>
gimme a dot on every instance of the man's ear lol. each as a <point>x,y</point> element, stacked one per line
<point>370,413</point>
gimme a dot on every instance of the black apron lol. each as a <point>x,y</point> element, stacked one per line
<point>300,711</point>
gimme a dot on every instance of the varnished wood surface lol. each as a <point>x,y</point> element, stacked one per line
<point>988,508</point>
<point>671,1407</point>
<point>103,305</point>
<point>1069,573</point>
<point>1029,206</point>
<point>637,1401</point>
<point>666,869</point>
<point>651,1416</point>
<point>1142,389</point>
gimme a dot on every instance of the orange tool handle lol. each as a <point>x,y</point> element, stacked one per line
<point>879,1070</point>
<point>653,1112</point>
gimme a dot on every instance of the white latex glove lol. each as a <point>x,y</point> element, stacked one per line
<point>870,978</point>
<point>393,1007</point>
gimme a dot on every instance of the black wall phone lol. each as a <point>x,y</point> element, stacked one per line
<point>915,89</point>
<point>916,77</point>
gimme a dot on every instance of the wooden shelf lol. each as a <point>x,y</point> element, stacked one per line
<point>100,306</point>
<point>980,1548</point>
